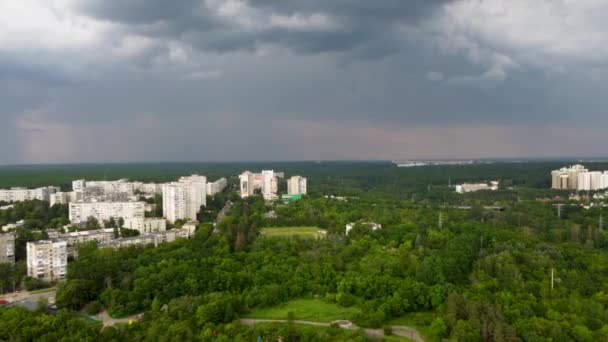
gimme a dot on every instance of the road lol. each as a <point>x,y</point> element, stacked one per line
<point>221,215</point>
<point>398,330</point>
<point>29,296</point>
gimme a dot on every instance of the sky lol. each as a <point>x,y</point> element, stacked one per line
<point>241,80</point>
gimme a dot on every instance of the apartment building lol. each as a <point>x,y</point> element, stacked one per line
<point>155,238</point>
<point>99,235</point>
<point>269,185</point>
<point>296,185</point>
<point>146,225</point>
<point>7,248</point>
<point>577,177</point>
<point>217,186</point>
<point>47,259</point>
<point>81,211</point>
<point>183,199</point>
<point>24,194</point>
<point>246,184</point>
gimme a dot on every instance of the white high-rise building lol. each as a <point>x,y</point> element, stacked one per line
<point>296,185</point>
<point>7,248</point>
<point>24,194</point>
<point>567,178</point>
<point>246,184</point>
<point>81,211</point>
<point>47,260</point>
<point>583,181</point>
<point>269,184</point>
<point>217,186</point>
<point>596,180</point>
<point>577,177</point>
<point>183,199</point>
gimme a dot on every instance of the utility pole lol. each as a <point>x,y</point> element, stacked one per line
<point>440,221</point>
<point>559,210</point>
<point>601,223</point>
<point>551,279</point>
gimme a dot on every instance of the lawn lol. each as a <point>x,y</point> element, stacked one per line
<point>306,310</point>
<point>306,232</point>
<point>421,321</point>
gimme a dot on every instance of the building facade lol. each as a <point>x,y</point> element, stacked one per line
<point>102,211</point>
<point>47,259</point>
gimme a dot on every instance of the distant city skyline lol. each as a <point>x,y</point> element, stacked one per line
<point>87,81</point>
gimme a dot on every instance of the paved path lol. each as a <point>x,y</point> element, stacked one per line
<point>398,330</point>
<point>107,320</point>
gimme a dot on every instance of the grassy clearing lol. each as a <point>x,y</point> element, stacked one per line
<point>306,310</point>
<point>420,321</point>
<point>49,289</point>
<point>306,232</point>
<point>393,338</point>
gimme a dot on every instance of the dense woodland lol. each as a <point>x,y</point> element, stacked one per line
<point>479,274</point>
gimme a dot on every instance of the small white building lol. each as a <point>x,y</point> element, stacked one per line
<point>372,225</point>
<point>472,187</point>
<point>13,226</point>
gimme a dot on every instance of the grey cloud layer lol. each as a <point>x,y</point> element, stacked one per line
<point>300,79</point>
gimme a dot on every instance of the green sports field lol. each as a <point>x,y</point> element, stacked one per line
<point>305,232</point>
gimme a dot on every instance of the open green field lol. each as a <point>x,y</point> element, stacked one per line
<point>307,232</point>
<point>306,310</point>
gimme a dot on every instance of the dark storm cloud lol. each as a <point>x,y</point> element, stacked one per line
<point>367,27</point>
<point>365,11</point>
<point>138,11</point>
